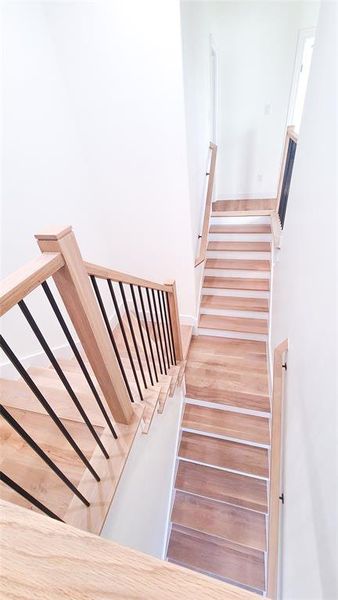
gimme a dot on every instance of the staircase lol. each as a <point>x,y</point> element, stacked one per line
<point>220,499</point>
<point>69,424</point>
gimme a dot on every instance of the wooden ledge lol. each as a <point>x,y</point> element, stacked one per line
<point>53,232</point>
<point>42,558</point>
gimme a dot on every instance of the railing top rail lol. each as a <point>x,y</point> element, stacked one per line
<point>105,273</point>
<point>23,281</point>
<point>115,571</point>
<point>208,201</point>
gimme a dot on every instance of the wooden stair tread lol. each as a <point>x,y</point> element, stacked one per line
<point>217,382</point>
<point>233,523</point>
<point>236,283</point>
<point>228,347</point>
<point>244,204</point>
<point>227,423</point>
<point>237,264</point>
<point>228,397</point>
<point>239,324</point>
<point>23,465</point>
<point>239,246</point>
<point>16,394</point>
<point>217,556</point>
<point>251,363</point>
<point>235,303</point>
<point>245,228</point>
<point>224,486</point>
<point>222,377</point>
<point>224,453</point>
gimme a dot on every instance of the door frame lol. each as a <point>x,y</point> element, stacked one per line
<point>303,35</point>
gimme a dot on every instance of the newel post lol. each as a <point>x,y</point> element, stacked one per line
<point>175,318</point>
<point>77,294</point>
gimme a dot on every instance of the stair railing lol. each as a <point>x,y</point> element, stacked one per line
<point>289,152</point>
<point>76,283</point>
<point>202,250</point>
<point>151,324</point>
<point>14,292</point>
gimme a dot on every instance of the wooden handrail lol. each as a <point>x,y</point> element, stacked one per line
<point>42,558</point>
<point>105,273</point>
<point>23,281</point>
<point>275,477</point>
<point>78,297</point>
<point>205,228</point>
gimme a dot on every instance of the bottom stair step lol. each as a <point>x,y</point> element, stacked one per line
<point>218,557</point>
<point>233,523</point>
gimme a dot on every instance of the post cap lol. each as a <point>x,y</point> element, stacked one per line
<point>53,232</point>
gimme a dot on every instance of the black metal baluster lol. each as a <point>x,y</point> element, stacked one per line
<point>77,355</point>
<point>126,308</point>
<point>163,327</point>
<point>141,333</point>
<point>32,323</point>
<point>171,327</point>
<point>154,330</point>
<point>26,377</point>
<point>167,327</point>
<point>19,490</point>
<point>117,310</point>
<point>147,330</point>
<point>158,330</point>
<point>25,436</point>
<point>110,333</point>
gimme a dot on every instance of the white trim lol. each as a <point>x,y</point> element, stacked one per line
<point>303,35</point>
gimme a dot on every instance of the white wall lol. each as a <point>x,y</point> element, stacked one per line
<point>256,45</point>
<point>94,136</point>
<point>304,311</point>
<point>139,516</point>
<point>196,71</point>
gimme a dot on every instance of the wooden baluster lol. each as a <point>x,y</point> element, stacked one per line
<point>175,318</point>
<point>77,294</point>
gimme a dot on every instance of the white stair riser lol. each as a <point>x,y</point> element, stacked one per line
<point>221,312</point>
<point>239,237</point>
<point>238,293</point>
<point>249,220</point>
<point>237,273</point>
<point>233,334</point>
<point>233,255</point>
